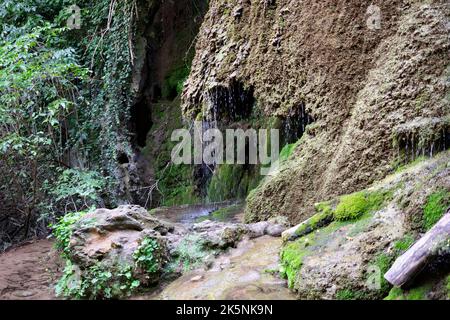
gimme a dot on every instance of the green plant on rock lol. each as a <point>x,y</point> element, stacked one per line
<point>404,244</point>
<point>176,186</point>
<point>62,230</point>
<point>231,182</point>
<point>417,293</point>
<point>291,258</point>
<point>145,257</point>
<point>189,253</point>
<point>435,207</point>
<point>287,151</point>
<point>174,81</point>
<point>351,207</point>
<point>98,281</point>
<point>323,217</point>
<point>347,294</point>
<point>384,261</point>
<point>355,205</point>
<point>395,294</point>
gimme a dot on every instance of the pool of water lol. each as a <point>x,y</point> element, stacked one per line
<point>189,214</point>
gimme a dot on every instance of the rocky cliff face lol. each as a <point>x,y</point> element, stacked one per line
<point>377,93</point>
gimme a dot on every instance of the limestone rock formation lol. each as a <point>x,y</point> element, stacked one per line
<point>111,237</point>
<point>127,247</point>
<point>347,259</point>
<point>377,95</point>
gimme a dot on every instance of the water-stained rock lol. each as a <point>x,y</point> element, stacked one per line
<point>110,240</point>
<point>128,247</point>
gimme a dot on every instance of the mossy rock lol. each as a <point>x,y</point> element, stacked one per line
<point>437,204</point>
<point>291,258</point>
<point>231,182</point>
<point>112,253</point>
<point>419,293</point>
<point>355,205</point>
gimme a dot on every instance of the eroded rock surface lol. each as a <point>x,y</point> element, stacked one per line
<point>113,236</point>
<point>114,239</point>
<point>362,86</point>
<point>348,259</point>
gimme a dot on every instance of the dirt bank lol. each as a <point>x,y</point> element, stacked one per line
<point>29,271</point>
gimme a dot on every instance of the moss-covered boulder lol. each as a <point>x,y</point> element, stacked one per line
<point>345,249</point>
<point>110,253</point>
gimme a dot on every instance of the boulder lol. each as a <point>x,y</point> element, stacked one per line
<point>112,252</point>
<point>219,235</point>
<point>112,238</point>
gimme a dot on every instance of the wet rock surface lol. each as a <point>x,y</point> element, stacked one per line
<point>112,237</point>
<point>348,259</point>
<point>387,82</point>
<point>247,272</point>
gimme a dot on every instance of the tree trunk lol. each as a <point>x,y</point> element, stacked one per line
<point>407,266</point>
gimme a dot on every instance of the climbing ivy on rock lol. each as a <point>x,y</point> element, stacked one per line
<point>64,107</point>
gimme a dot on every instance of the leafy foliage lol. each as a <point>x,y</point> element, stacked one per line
<point>39,79</point>
<point>79,184</point>
<point>64,103</point>
<point>98,281</point>
<point>144,255</point>
<point>62,230</point>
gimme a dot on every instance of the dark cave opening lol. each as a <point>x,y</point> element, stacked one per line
<point>141,122</point>
<point>122,158</point>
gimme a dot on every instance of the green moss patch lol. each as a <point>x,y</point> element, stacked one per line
<point>384,261</point>
<point>231,182</point>
<point>176,186</point>
<point>435,207</point>
<point>355,205</point>
<point>419,293</point>
<point>323,217</point>
<point>174,81</point>
<point>291,258</point>
<point>347,294</point>
<point>404,244</point>
<point>287,151</point>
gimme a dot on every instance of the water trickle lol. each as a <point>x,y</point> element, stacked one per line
<point>421,137</point>
<point>294,124</point>
<point>229,103</point>
<point>225,105</point>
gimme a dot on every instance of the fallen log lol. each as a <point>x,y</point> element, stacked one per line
<point>407,266</point>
